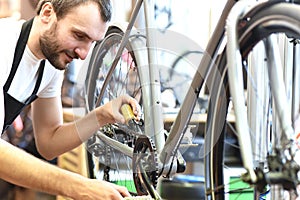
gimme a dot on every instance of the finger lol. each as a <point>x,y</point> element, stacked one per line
<point>136,109</point>
<point>124,192</point>
<point>135,106</point>
<point>121,189</point>
<point>138,112</point>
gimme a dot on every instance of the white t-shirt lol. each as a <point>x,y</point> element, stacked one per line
<point>2,113</point>
<point>25,78</point>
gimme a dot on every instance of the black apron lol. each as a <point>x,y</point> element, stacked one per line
<point>12,106</point>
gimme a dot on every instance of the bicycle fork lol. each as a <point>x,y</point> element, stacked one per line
<point>282,169</point>
<point>283,155</point>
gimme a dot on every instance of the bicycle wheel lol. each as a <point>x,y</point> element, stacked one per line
<point>223,174</point>
<point>103,84</point>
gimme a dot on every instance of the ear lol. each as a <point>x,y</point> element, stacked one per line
<point>47,12</point>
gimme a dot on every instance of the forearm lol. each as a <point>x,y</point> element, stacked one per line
<point>53,137</point>
<point>20,168</point>
<point>66,136</point>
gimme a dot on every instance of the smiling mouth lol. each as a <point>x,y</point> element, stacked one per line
<point>69,58</point>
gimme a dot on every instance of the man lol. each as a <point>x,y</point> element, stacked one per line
<point>33,56</point>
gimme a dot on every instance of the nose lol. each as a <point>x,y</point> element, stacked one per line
<point>83,50</point>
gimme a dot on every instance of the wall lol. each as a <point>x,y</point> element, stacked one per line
<point>10,8</point>
<point>26,9</point>
<point>194,18</point>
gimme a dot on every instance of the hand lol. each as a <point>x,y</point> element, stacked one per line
<point>101,190</point>
<point>110,112</point>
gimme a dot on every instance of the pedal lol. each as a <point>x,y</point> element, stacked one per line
<point>139,198</point>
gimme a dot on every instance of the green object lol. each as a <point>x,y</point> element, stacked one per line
<point>129,184</point>
<point>239,189</point>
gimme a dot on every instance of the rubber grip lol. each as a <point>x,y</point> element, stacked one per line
<point>127,112</point>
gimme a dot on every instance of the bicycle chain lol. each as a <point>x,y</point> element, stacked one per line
<point>145,166</point>
<point>108,131</point>
<point>144,161</point>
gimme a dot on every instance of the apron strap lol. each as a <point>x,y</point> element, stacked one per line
<point>21,44</point>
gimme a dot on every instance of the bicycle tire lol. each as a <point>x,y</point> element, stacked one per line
<point>258,24</point>
<point>102,85</point>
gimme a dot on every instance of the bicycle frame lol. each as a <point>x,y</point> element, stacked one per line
<point>206,65</point>
<point>167,150</point>
<point>145,51</point>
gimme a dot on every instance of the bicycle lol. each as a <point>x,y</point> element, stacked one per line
<point>120,64</point>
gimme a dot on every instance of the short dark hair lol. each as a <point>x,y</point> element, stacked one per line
<point>62,7</point>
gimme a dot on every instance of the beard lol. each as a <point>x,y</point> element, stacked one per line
<point>50,48</point>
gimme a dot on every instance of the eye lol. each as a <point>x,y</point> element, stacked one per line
<point>79,36</point>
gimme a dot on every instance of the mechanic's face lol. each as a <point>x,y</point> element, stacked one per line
<point>72,36</point>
